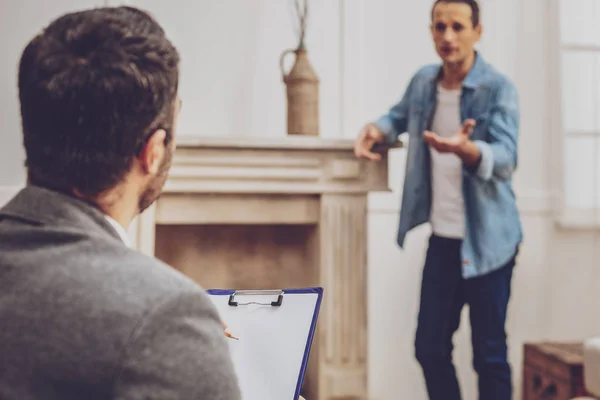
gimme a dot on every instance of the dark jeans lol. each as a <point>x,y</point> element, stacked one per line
<point>444,292</point>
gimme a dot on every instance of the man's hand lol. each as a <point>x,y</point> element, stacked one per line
<point>458,144</point>
<point>369,135</point>
<point>453,144</point>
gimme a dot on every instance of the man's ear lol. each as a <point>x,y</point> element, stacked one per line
<point>479,31</point>
<point>153,152</point>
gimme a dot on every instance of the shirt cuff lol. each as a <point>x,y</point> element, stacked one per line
<point>486,164</point>
<point>386,126</point>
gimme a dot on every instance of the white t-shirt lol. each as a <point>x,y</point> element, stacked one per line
<point>120,230</point>
<point>447,208</point>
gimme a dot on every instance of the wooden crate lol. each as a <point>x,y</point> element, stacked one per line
<point>553,371</point>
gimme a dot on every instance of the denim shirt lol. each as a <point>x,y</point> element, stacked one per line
<point>493,226</point>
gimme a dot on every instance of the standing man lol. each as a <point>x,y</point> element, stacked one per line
<point>462,119</point>
<point>82,315</point>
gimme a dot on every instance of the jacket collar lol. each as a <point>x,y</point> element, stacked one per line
<point>43,206</point>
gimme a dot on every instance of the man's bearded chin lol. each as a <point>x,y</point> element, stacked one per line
<point>152,191</point>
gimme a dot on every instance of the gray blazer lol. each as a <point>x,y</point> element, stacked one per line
<point>84,317</point>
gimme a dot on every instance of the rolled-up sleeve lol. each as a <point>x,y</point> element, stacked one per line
<point>499,153</point>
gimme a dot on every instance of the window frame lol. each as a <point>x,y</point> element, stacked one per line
<point>565,216</point>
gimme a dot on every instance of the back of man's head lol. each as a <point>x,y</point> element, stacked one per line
<point>93,86</point>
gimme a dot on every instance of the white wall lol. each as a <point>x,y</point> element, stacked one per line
<point>365,52</point>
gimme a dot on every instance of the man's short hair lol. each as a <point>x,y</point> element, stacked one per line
<point>471,3</point>
<point>93,86</point>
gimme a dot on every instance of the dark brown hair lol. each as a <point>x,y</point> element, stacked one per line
<point>471,3</point>
<point>93,86</point>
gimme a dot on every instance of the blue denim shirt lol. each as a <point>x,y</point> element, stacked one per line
<point>493,226</point>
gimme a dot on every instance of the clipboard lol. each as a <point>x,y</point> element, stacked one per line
<point>275,329</point>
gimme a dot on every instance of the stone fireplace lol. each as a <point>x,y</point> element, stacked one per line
<point>271,213</point>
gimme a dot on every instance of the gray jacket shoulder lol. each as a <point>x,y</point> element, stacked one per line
<point>177,342</point>
<point>81,309</point>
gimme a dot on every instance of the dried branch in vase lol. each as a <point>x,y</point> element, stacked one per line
<point>301,10</point>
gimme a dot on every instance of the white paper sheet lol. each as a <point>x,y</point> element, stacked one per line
<point>272,341</point>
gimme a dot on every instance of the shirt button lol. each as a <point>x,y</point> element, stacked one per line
<point>466,262</point>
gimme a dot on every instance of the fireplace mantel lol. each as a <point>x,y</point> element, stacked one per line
<point>272,165</point>
<point>311,184</point>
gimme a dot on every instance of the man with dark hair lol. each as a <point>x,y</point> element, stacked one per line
<point>462,119</point>
<point>83,316</point>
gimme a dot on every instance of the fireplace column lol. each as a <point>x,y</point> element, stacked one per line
<point>343,323</point>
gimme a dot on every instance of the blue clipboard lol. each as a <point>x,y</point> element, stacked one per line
<point>276,329</point>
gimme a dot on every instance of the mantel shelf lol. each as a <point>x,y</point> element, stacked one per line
<point>275,143</point>
<point>285,165</point>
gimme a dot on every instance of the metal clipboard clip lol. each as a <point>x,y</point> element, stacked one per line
<point>277,303</point>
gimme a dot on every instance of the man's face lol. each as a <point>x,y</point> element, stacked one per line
<point>453,32</point>
<point>153,189</point>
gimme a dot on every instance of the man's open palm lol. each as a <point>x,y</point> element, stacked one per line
<point>453,143</point>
